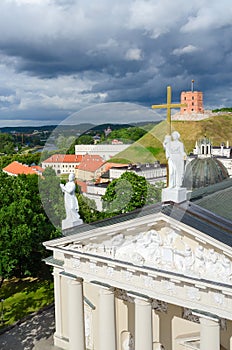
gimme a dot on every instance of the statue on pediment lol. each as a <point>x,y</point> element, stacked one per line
<point>175,154</point>
<point>71,203</point>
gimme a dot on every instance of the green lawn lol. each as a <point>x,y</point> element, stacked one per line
<point>22,297</point>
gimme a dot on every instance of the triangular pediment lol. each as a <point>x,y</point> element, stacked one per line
<point>161,243</point>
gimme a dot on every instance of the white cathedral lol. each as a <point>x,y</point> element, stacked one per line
<point>156,278</point>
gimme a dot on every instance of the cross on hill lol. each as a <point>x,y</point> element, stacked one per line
<point>169,105</point>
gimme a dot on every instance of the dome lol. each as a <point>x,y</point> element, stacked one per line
<point>202,172</point>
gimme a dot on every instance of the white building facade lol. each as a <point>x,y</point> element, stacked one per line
<point>104,151</point>
<point>143,281</point>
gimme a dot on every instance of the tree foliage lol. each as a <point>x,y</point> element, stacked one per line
<point>88,210</point>
<point>52,196</point>
<point>127,134</point>
<point>24,227</point>
<point>6,143</point>
<point>129,192</point>
<point>126,193</point>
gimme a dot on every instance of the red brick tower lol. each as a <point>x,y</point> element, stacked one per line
<point>194,101</point>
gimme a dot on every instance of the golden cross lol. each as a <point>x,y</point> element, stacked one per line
<point>169,105</point>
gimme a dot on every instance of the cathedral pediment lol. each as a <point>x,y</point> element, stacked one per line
<point>160,244</point>
<point>179,254</point>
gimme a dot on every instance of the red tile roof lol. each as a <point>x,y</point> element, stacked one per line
<point>90,163</point>
<point>110,165</point>
<point>16,168</point>
<point>64,158</point>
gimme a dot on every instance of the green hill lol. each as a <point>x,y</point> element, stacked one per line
<point>149,148</point>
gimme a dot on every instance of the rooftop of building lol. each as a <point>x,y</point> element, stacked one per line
<point>16,168</point>
<point>189,213</point>
<point>90,162</point>
<point>64,158</point>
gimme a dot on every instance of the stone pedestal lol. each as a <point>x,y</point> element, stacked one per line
<point>76,315</point>
<point>143,325</point>
<point>176,195</point>
<point>107,321</point>
<point>209,334</point>
<point>69,224</point>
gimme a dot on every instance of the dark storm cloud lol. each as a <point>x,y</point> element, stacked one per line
<point>69,54</point>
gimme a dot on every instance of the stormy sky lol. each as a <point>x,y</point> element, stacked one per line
<point>60,58</point>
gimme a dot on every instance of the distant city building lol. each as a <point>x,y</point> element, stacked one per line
<point>193,100</point>
<point>62,163</point>
<point>96,139</point>
<point>104,151</point>
<point>194,109</point>
<point>204,147</point>
<point>152,172</point>
<point>90,168</point>
<point>208,165</point>
<point>107,131</point>
<point>15,168</point>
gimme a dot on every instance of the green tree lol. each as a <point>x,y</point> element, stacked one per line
<point>52,196</point>
<point>125,194</point>
<point>24,227</point>
<point>88,210</point>
<point>154,192</point>
<point>127,134</point>
<point>6,143</point>
<point>130,192</point>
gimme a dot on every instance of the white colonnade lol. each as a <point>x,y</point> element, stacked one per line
<point>107,326</point>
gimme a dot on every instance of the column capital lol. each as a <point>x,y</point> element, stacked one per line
<point>142,302</point>
<point>74,281</point>
<point>209,333</point>
<point>210,322</point>
<point>106,291</point>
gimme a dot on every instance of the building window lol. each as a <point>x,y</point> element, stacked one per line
<point>192,97</point>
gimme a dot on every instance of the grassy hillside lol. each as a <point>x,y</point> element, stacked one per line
<point>149,148</point>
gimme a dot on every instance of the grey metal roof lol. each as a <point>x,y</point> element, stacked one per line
<point>205,191</point>
<point>201,219</point>
<point>146,210</point>
<point>202,172</point>
<point>219,203</point>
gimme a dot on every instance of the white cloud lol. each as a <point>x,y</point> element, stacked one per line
<point>60,56</point>
<point>213,15</point>
<point>185,50</point>
<point>133,55</point>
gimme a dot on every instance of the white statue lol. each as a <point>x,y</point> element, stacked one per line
<point>70,201</point>
<point>175,154</point>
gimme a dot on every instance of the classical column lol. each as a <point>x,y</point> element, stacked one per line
<point>143,325</point>
<point>76,325</point>
<point>209,334</point>
<point>58,303</point>
<point>106,321</point>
